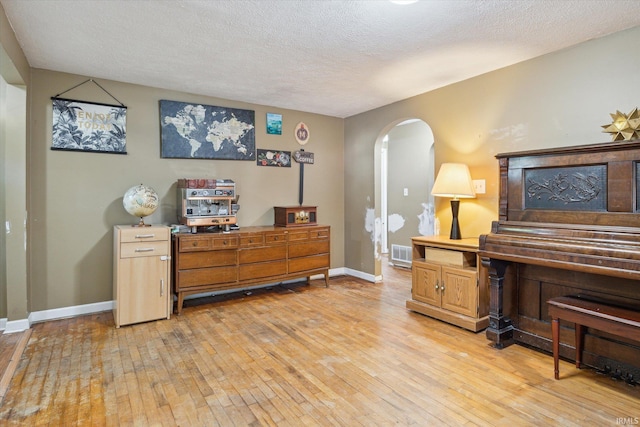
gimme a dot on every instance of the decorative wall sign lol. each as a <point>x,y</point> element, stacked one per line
<point>301,133</point>
<point>86,126</point>
<point>196,131</point>
<point>624,127</point>
<point>303,157</point>
<point>578,188</point>
<point>274,124</point>
<point>274,158</point>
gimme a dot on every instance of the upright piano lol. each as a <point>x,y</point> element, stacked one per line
<point>569,223</point>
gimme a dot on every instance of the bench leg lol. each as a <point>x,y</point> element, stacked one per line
<point>579,344</point>
<point>555,335</point>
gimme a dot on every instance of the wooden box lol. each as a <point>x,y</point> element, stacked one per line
<point>292,216</point>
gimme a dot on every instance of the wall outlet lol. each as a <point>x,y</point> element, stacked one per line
<point>479,186</point>
<point>406,192</point>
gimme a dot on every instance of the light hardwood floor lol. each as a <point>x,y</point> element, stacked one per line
<point>347,355</point>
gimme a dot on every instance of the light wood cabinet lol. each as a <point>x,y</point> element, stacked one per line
<point>141,287</point>
<point>449,282</point>
<point>209,262</point>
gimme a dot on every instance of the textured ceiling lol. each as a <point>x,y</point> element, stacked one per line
<point>337,58</point>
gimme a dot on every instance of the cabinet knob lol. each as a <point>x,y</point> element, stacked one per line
<point>224,242</point>
<point>442,287</point>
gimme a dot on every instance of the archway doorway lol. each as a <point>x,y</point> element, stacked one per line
<point>404,174</point>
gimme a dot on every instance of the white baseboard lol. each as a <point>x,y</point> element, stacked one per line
<point>79,310</point>
<point>364,276</point>
<point>64,312</point>
<point>16,326</point>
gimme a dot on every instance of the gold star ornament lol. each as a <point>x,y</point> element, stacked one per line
<point>624,127</point>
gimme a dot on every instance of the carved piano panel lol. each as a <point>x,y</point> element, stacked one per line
<point>568,223</point>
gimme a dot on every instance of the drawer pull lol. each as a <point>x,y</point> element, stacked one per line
<point>145,250</point>
<point>145,236</point>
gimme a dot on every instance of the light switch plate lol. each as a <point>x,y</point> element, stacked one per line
<point>479,186</point>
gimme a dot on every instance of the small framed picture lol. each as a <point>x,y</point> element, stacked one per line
<point>276,158</point>
<point>274,124</point>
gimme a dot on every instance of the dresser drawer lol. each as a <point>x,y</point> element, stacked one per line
<point>194,243</point>
<point>139,249</point>
<point>207,259</point>
<point>275,238</point>
<point>206,276</point>
<point>298,235</point>
<point>143,234</point>
<point>308,263</point>
<point>308,248</point>
<point>319,233</point>
<point>224,242</point>
<point>262,270</point>
<point>252,240</point>
<point>266,253</point>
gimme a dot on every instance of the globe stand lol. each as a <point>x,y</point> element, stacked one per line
<point>141,223</point>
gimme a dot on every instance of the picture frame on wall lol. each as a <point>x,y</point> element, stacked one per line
<point>198,131</point>
<point>274,124</point>
<point>277,158</point>
<point>88,126</point>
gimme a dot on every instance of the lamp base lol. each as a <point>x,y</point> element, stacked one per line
<point>455,227</point>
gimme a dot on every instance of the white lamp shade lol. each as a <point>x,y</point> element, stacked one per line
<point>453,180</point>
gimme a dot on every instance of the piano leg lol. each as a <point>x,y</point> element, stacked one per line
<point>579,344</point>
<point>500,329</point>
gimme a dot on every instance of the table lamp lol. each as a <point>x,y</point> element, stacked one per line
<point>454,180</point>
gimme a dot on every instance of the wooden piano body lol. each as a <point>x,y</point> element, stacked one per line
<point>569,223</point>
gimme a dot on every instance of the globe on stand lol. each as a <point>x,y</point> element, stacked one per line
<point>140,201</point>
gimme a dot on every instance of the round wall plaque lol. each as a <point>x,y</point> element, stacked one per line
<point>302,133</point>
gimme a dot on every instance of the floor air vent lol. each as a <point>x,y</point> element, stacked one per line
<point>401,254</point>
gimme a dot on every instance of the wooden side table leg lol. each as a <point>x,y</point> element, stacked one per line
<point>326,279</point>
<point>579,344</point>
<point>555,335</point>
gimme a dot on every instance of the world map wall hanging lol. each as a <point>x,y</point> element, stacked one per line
<point>196,131</point>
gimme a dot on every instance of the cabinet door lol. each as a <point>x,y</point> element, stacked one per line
<point>425,279</point>
<point>459,290</point>
<point>144,289</point>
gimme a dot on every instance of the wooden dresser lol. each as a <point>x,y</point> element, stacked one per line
<point>568,224</point>
<point>448,281</point>
<point>209,262</point>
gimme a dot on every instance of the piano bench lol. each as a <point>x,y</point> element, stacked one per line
<point>585,312</point>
